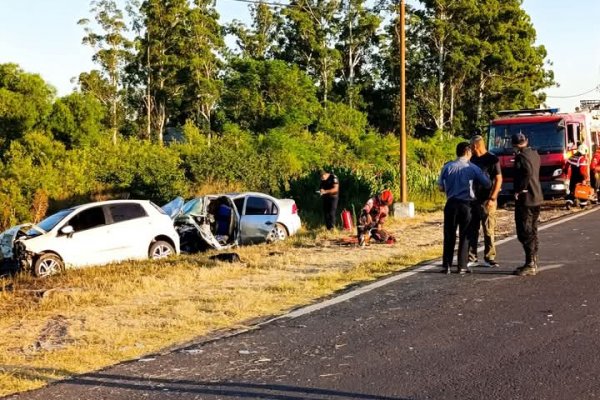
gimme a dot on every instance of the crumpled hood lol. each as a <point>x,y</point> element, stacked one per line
<point>9,236</point>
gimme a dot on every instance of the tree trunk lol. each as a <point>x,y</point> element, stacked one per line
<point>480,99</point>
<point>451,118</point>
<point>114,120</point>
<point>350,58</point>
<point>148,94</point>
<point>440,119</point>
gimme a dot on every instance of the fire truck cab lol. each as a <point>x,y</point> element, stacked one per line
<point>553,135</point>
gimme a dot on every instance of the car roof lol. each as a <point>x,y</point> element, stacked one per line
<point>107,202</point>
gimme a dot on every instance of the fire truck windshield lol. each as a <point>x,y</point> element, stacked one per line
<point>544,137</point>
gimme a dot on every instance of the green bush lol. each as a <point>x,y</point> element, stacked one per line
<point>356,187</point>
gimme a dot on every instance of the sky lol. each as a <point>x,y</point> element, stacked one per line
<point>43,37</point>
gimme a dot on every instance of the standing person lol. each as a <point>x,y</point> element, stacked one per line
<point>456,180</point>
<point>528,199</point>
<point>329,190</point>
<point>595,171</point>
<point>485,204</point>
<point>577,172</point>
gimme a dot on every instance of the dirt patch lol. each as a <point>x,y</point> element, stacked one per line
<point>53,336</point>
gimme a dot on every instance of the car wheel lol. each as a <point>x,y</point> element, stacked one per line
<point>278,233</point>
<point>48,264</point>
<point>160,249</point>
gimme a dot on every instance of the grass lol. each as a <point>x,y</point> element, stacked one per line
<point>90,318</point>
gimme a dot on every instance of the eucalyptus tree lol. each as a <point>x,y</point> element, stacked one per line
<point>512,71</point>
<point>260,41</point>
<point>202,55</point>
<point>308,38</point>
<point>161,28</point>
<point>358,40</point>
<point>112,52</point>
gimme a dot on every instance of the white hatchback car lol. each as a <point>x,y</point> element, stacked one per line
<point>94,234</point>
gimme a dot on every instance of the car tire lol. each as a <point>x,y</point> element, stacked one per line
<point>48,264</point>
<point>160,249</point>
<point>278,234</point>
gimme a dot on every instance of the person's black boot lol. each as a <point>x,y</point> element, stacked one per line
<point>527,270</point>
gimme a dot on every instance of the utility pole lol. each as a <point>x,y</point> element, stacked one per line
<point>403,186</point>
<point>403,208</point>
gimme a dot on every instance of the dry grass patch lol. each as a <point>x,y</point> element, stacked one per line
<point>90,318</point>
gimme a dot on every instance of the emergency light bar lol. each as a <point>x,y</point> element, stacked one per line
<point>534,111</point>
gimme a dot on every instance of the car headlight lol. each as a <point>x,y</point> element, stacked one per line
<point>557,172</point>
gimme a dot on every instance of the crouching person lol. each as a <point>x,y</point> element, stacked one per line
<point>372,218</point>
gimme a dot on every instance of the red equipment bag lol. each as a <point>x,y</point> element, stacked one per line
<point>583,192</point>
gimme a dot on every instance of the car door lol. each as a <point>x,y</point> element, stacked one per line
<point>130,230</point>
<point>88,243</point>
<point>258,219</point>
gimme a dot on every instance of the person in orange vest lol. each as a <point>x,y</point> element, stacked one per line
<point>595,171</point>
<point>372,217</point>
<point>577,172</point>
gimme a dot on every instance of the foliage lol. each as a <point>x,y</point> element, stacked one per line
<point>77,120</point>
<point>112,53</point>
<point>261,95</point>
<point>25,100</point>
<point>313,84</point>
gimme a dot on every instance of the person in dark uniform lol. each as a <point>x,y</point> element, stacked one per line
<point>456,180</point>
<point>485,204</point>
<point>528,200</point>
<point>329,190</point>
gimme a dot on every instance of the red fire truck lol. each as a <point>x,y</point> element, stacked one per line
<point>554,135</point>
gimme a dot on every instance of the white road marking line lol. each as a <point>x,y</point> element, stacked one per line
<point>436,264</point>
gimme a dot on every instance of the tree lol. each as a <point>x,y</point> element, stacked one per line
<point>308,39</point>
<point>358,40</point>
<point>76,120</point>
<point>161,27</point>
<point>260,41</point>
<point>261,95</point>
<point>203,47</point>
<point>466,60</point>
<point>112,52</point>
<point>511,71</point>
<point>25,101</point>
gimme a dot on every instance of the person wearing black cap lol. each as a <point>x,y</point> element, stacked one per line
<point>528,199</point>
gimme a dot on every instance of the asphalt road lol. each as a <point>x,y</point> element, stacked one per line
<point>488,335</point>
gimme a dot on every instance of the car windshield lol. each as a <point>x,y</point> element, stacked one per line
<point>547,136</point>
<point>194,207</point>
<point>49,223</point>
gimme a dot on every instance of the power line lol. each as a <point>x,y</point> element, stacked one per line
<point>274,4</point>
<point>597,87</point>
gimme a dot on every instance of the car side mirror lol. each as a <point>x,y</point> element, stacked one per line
<point>67,230</point>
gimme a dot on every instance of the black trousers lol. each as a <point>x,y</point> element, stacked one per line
<point>330,204</point>
<point>457,214</point>
<point>526,220</point>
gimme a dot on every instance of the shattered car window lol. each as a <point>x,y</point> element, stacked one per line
<point>194,206</point>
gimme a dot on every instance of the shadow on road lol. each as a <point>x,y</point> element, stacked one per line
<point>229,389</point>
<point>438,271</point>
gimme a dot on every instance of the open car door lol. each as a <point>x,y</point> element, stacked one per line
<point>208,222</point>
